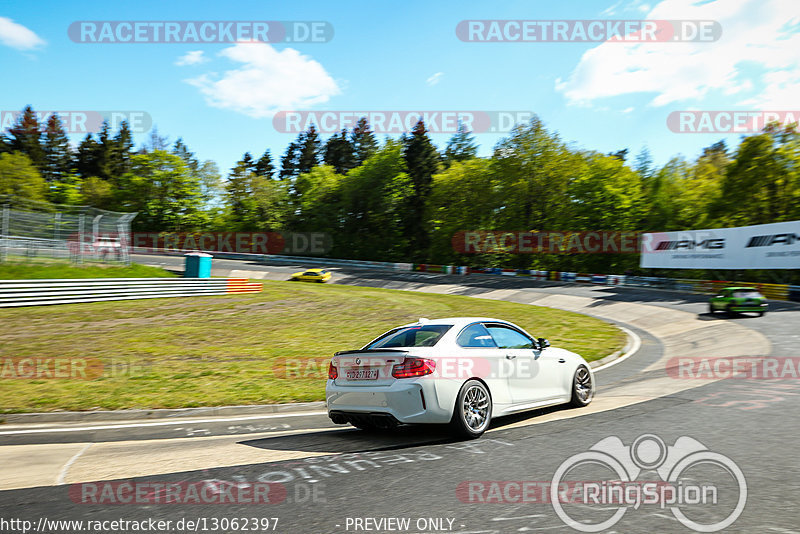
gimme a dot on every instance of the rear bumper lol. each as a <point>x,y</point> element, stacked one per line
<point>404,401</point>
<point>376,419</point>
<point>751,308</point>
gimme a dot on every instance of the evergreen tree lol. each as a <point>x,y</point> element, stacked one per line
<point>290,161</point>
<point>57,151</point>
<point>121,152</point>
<point>339,153</point>
<point>26,136</point>
<point>422,160</point>
<point>310,149</point>
<point>264,166</point>
<point>86,163</point>
<point>619,154</point>
<point>461,146</point>
<point>363,141</point>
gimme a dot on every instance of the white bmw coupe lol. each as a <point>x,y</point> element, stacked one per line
<point>463,371</point>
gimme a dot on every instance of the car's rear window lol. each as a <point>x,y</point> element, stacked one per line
<point>411,336</point>
<point>744,294</point>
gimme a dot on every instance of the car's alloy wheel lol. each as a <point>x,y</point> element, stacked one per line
<point>582,387</point>
<point>473,410</point>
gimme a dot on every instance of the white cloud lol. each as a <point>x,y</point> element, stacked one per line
<point>267,81</point>
<point>18,36</point>
<point>436,78</point>
<point>759,50</point>
<point>193,57</point>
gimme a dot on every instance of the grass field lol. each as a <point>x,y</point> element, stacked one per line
<point>211,351</point>
<point>52,269</point>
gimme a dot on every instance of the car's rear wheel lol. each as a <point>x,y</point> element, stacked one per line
<point>761,313</point>
<point>473,410</point>
<point>582,387</point>
<point>729,311</point>
<point>711,309</point>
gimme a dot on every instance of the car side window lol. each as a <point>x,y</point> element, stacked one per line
<point>475,335</point>
<point>508,338</point>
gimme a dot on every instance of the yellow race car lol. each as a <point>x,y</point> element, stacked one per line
<point>312,275</point>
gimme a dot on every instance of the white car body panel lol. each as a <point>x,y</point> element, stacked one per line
<point>549,381</point>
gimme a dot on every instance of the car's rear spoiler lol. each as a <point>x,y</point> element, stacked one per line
<point>362,351</point>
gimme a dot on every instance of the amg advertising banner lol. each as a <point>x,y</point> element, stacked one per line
<point>763,246</point>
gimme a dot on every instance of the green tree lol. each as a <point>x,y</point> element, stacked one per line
<point>464,197</point>
<point>363,141</point>
<point>422,161</point>
<point>762,184</point>
<point>290,162</point>
<point>254,202</point>
<point>25,136</point>
<point>339,152</point>
<point>460,147</point>
<point>57,151</point>
<point>310,149</point>
<point>375,199</point>
<point>164,191</point>
<point>20,177</point>
<point>264,166</point>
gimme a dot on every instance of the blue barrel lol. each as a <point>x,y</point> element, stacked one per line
<point>197,265</point>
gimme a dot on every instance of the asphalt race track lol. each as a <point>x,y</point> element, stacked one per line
<point>331,479</point>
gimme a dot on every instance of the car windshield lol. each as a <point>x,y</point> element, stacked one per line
<point>411,336</point>
<point>747,294</point>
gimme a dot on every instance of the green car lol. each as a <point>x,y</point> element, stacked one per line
<point>735,300</point>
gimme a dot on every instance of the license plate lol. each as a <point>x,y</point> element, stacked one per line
<point>362,374</point>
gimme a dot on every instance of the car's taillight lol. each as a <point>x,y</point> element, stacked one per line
<point>333,373</point>
<point>412,367</point>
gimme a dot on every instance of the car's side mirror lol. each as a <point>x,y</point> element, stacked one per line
<point>543,343</point>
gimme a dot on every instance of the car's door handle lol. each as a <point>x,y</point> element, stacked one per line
<point>561,360</point>
<point>510,356</point>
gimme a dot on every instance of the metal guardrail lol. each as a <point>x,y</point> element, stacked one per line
<point>15,293</point>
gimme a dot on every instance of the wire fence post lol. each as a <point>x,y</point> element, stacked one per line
<point>4,234</point>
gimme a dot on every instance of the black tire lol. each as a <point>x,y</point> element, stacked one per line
<point>729,312</point>
<point>472,413</point>
<point>711,309</point>
<point>761,314</point>
<point>582,387</point>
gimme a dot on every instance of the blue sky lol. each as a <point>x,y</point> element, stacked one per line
<point>220,97</point>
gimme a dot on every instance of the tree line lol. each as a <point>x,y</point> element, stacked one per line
<point>403,199</point>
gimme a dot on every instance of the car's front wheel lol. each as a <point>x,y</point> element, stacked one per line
<point>473,410</point>
<point>582,387</point>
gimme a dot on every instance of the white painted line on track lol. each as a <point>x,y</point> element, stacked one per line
<point>63,473</point>
<point>637,344</point>
<point>160,423</point>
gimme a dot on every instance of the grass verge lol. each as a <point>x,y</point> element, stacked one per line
<point>18,271</point>
<point>212,351</point>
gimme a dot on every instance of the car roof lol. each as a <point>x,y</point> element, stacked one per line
<point>459,321</point>
<point>314,270</point>
<point>741,287</point>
